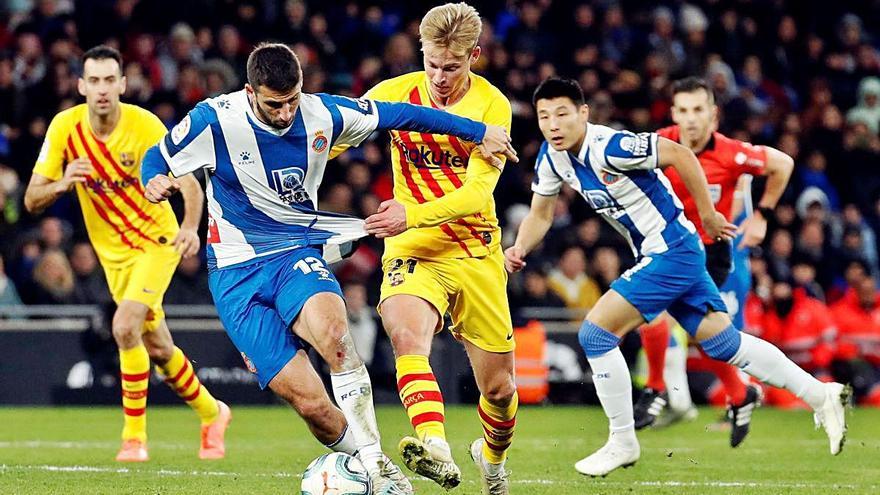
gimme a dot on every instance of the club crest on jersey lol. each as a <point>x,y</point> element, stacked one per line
<point>319,144</point>
<point>126,159</point>
<point>288,183</point>
<point>608,178</point>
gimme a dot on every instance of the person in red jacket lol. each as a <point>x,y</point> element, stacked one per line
<point>724,160</point>
<point>857,316</point>
<point>802,328</point>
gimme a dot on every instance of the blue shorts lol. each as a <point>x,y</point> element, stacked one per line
<point>257,303</point>
<point>674,281</point>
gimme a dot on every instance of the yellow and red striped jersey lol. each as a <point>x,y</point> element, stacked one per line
<point>428,167</point>
<point>119,219</point>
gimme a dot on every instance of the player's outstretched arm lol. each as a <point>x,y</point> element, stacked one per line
<point>493,140</point>
<point>187,240</point>
<point>158,185</point>
<point>41,191</point>
<point>688,167</point>
<point>531,231</point>
<point>778,171</point>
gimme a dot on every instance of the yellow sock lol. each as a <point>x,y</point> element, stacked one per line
<point>421,396</point>
<point>181,377</point>
<point>134,366</point>
<point>498,425</point>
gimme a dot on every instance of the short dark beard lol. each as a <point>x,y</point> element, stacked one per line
<point>261,115</point>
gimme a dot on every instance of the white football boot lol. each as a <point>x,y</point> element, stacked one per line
<point>832,414</point>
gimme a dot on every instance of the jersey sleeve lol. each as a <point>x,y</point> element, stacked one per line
<point>377,92</point>
<point>629,151</point>
<point>752,159</point>
<point>189,146</point>
<point>50,161</point>
<point>546,182</point>
<point>357,118</point>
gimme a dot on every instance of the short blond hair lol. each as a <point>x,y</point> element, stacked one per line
<point>454,26</point>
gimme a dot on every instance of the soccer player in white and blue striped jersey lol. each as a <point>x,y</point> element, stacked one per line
<point>264,150</point>
<point>617,173</point>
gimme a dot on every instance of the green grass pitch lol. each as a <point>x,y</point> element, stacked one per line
<point>70,451</point>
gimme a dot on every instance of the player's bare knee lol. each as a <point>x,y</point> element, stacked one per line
<point>126,330</point>
<point>500,393</point>
<point>313,410</point>
<point>159,354</point>
<point>409,340</point>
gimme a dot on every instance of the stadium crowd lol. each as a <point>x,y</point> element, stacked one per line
<point>785,73</point>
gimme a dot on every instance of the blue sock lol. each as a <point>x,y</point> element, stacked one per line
<point>724,345</point>
<point>595,340</point>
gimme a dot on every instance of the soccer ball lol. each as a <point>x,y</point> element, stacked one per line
<point>336,474</point>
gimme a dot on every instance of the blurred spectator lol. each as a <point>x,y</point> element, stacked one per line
<point>90,285</point>
<point>189,284</point>
<point>180,51</point>
<point>852,218</point>
<point>536,291</point>
<point>571,283</point>
<point>868,109</point>
<point>8,294</point>
<point>54,234</point>
<point>361,323</point>
<point>53,279</point>
<point>663,41</point>
<point>779,257</point>
<point>814,175</point>
<point>857,317</point>
<point>606,266</point>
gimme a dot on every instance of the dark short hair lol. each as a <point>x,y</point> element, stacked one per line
<point>556,87</point>
<point>103,52</point>
<point>691,84</point>
<point>273,66</point>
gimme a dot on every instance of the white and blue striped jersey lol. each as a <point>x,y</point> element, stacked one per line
<point>616,173</point>
<point>262,182</point>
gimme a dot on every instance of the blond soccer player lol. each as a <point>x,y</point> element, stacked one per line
<point>96,148</point>
<point>442,253</point>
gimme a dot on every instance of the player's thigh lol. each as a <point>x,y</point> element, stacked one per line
<point>413,298</point>
<point>148,281</point>
<point>480,310</point>
<point>692,308</point>
<point>653,284</point>
<point>614,313</point>
<point>259,333</point>
<point>307,295</point>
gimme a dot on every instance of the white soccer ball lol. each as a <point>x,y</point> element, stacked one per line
<point>336,474</point>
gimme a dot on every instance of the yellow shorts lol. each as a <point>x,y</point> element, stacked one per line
<point>474,290</point>
<point>144,279</point>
